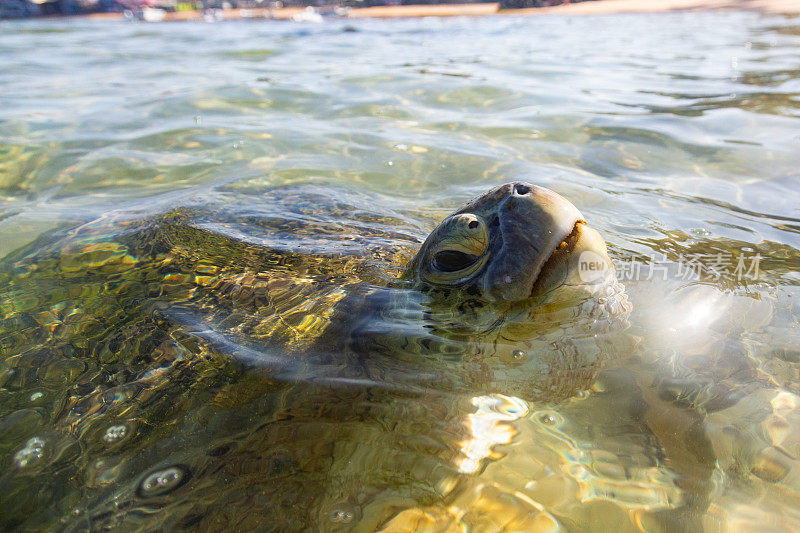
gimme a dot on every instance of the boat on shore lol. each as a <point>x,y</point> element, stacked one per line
<point>309,15</point>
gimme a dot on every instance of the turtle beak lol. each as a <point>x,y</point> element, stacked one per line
<point>580,264</point>
<point>534,223</point>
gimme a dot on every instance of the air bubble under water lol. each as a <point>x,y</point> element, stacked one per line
<point>31,453</point>
<point>163,481</point>
<point>115,433</point>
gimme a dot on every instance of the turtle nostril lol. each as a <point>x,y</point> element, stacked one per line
<point>521,189</point>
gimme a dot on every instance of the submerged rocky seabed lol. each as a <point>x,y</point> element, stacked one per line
<point>176,199</point>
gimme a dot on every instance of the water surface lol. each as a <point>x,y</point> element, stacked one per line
<point>321,155</point>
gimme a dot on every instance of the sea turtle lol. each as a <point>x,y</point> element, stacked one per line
<point>229,363</point>
<point>134,306</point>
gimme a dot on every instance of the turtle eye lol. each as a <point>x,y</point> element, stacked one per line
<point>456,250</point>
<point>453,260</point>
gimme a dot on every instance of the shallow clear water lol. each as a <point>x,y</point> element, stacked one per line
<point>321,156</point>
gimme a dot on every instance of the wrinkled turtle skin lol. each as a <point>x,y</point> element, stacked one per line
<point>192,378</point>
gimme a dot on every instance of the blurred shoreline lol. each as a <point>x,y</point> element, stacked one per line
<point>599,7</point>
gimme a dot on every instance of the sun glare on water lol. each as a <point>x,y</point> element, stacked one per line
<point>488,426</point>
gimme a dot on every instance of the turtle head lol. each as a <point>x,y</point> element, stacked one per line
<point>515,242</point>
<point>519,284</point>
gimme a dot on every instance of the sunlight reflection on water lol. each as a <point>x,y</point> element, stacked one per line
<point>487,429</point>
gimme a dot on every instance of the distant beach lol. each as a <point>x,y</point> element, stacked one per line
<point>599,7</point>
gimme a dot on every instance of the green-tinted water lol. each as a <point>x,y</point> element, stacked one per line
<point>176,200</point>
